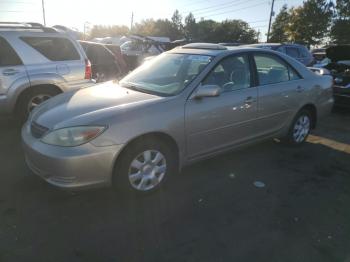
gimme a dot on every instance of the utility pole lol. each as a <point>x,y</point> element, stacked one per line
<point>43,6</point>
<point>132,21</point>
<point>271,15</point>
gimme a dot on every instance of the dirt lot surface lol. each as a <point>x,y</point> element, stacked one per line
<point>211,212</point>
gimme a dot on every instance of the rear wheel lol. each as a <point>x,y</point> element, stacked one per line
<point>31,99</point>
<point>144,167</point>
<point>300,128</point>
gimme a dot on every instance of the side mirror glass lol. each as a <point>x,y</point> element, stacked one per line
<point>207,91</point>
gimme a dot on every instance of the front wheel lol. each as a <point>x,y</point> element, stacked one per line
<point>300,128</point>
<point>144,167</point>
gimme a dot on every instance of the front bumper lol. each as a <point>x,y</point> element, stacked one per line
<point>78,167</point>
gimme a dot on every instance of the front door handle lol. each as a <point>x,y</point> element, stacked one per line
<point>300,89</point>
<point>10,72</point>
<point>249,100</point>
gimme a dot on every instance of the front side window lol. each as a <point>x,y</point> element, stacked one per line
<point>270,69</point>
<point>230,74</point>
<point>167,74</point>
<point>53,48</point>
<point>8,56</point>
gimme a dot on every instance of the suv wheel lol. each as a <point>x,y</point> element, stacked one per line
<point>31,99</point>
<point>144,167</point>
<point>300,128</point>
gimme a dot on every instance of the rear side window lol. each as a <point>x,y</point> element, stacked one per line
<point>270,70</point>
<point>304,52</point>
<point>292,51</point>
<point>8,56</point>
<point>53,48</point>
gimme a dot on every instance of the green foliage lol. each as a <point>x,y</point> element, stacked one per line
<point>279,26</point>
<point>310,23</point>
<point>340,32</point>
<point>343,9</point>
<point>103,31</point>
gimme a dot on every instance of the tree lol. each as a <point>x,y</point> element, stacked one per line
<point>279,26</point>
<point>103,31</point>
<point>235,31</point>
<point>310,23</point>
<point>340,32</point>
<point>190,27</point>
<point>160,27</point>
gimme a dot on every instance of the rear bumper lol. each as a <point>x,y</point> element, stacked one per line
<point>342,100</point>
<point>341,96</point>
<point>80,167</point>
<point>325,108</point>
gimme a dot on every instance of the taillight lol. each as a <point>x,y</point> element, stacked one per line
<point>88,73</point>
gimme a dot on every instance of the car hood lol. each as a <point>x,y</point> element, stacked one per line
<point>338,53</point>
<point>88,105</point>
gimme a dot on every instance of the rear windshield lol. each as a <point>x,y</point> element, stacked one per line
<point>53,48</point>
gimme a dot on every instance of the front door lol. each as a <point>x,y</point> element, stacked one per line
<point>213,123</point>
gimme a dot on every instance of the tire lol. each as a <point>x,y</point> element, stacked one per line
<point>299,129</point>
<point>34,95</point>
<point>135,170</point>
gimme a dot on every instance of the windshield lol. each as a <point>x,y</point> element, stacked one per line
<point>167,74</point>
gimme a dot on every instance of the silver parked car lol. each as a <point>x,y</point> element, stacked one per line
<point>37,63</point>
<point>182,106</point>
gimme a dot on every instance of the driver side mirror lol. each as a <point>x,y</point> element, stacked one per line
<point>207,91</point>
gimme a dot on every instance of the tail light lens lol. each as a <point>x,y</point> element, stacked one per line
<point>88,73</point>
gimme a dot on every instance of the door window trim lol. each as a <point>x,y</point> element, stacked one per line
<point>14,52</point>
<point>280,59</point>
<point>247,54</point>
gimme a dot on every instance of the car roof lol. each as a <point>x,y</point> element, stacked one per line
<point>211,51</point>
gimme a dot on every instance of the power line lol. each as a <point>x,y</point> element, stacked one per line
<point>215,11</point>
<point>235,10</point>
<point>214,6</point>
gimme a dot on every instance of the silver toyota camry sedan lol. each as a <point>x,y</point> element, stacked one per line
<point>185,105</point>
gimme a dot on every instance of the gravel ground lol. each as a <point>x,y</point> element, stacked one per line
<point>211,212</point>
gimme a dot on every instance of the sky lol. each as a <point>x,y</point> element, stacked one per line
<point>76,13</point>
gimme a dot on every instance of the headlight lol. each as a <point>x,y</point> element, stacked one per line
<point>72,136</point>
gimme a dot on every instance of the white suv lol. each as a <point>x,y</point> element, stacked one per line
<point>37,63</point>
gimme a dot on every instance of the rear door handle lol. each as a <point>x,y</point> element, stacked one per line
<point>300,89</point>
<point>10,72</point>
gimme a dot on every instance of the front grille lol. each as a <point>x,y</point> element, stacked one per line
<point>37,130</point>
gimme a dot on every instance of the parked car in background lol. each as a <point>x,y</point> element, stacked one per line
<point>298,52</point>
<point>319,54</point>
<point>182,106</point>
<point>115,49</point>
<point>37,63</point>
<point>139,47</point>
<point>230,44</point>
<point>104,63</point>
<point>339,66</point>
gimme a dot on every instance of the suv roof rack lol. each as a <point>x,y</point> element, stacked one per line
<point>27,26</point>
<point>204,46</point>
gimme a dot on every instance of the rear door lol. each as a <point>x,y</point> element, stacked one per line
<point>213,123</point>
<point>12,70</point>
<point>62,57</point>
<point>280,90</point>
